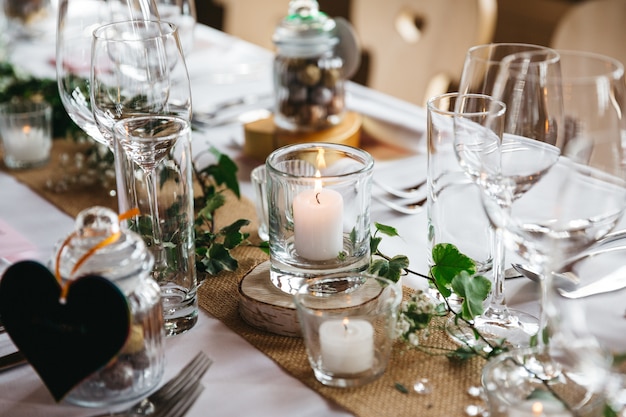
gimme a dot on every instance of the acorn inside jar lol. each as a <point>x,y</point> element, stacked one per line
<point>310,92</point>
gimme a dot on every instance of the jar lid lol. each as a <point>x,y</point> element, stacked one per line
<point>126,256</point>
<point>305,31</point>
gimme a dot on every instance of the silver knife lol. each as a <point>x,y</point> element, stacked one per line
<point>614,281</point>
<point>12,360</point>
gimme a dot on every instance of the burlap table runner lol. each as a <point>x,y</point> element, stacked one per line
<point>218,296</point>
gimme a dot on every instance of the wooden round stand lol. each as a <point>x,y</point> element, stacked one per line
<point>264,306</point>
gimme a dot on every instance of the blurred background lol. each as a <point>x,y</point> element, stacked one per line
<point>414,49</point>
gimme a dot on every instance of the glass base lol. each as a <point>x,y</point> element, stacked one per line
<point>515,326</point>
<point>179,314</point>
<point>523,381</point>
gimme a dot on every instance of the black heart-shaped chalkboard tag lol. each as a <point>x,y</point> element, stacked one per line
<point>65,341</point>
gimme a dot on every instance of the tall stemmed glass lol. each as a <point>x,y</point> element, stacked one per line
<point>76,21</point>
<point>533,109</point>
<point>138,69</point>
<point>572,205</point>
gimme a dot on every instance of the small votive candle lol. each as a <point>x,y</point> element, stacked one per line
<point>347,345</point>
<point>26,133</point>
<point>348,323</point>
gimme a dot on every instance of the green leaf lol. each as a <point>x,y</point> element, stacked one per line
<point>387,230</point>
<point>224,172</point>
<point>218,259</point>
<point>374,242</point>
<point>473,290</point>
<point>448,263</point>
<point>265,247</point>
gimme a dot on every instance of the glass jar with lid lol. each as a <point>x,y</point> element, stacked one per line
<point>139,366</point>
<point>308,72</point>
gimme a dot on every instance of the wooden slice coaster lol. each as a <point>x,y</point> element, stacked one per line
<point>264,306</point>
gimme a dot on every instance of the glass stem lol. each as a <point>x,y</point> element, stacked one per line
<point>157,236</point>
<point>497,303</point>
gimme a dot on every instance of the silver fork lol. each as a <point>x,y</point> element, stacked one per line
<point>412,191</point>
<point>181,402</point>
<point>403,206</point>
<point>181,383</point>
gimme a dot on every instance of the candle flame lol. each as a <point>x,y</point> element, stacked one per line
<point>345,324</point>
<point>321,164</point>
<point>26,129</point>
<point>318,182</point>
<point>537,408</point>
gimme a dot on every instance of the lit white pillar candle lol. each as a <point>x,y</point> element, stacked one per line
<point>347,346</point>
<point>26,144</point>
<point>318,223</point>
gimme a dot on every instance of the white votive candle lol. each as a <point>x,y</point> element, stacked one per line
<point>26,144</point>
<point>347,346</point>
<point>318,223</point>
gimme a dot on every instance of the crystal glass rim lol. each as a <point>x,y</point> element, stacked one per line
<point>530,48</point>
<point>614,68</point>
<point>24,108</point>
<point>490,99</point>
<point>351,152</point>
<point>304,290</point>
<point>166,29</point>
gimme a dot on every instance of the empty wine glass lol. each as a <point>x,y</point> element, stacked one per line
<point>533,108</point>
<point>577,201</point>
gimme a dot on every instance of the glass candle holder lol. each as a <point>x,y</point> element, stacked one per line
<point>26,132</point>
<point>348,322</point>
<point>319,211</point>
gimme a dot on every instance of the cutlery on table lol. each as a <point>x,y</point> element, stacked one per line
<point>183,388</point>
<point>405,206</point>
<point>409,192</point>
<point>614,281</point>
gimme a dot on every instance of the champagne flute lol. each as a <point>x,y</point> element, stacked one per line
<point>533,108</point>
<point>576,202</point>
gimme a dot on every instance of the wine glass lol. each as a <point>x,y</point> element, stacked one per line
<point>138,69</point>
<point>573,204</point>
<point>76,21</point>
<point>533,107</point>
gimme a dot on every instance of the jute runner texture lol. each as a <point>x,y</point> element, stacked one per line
<point>218,295</point>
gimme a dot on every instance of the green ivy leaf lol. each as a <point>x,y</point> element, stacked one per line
<point>449,262</point>
<point>374,242</point>
<point>473,290</point>
<point>386,230</point>
<point>218,259</point>
<point>391,269</point>
<point>224,172</point>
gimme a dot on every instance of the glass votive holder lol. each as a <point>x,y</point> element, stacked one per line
<point>348,323</point>
<point>26,132</point>
<point>319,211</point>
<point>258,177</point>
